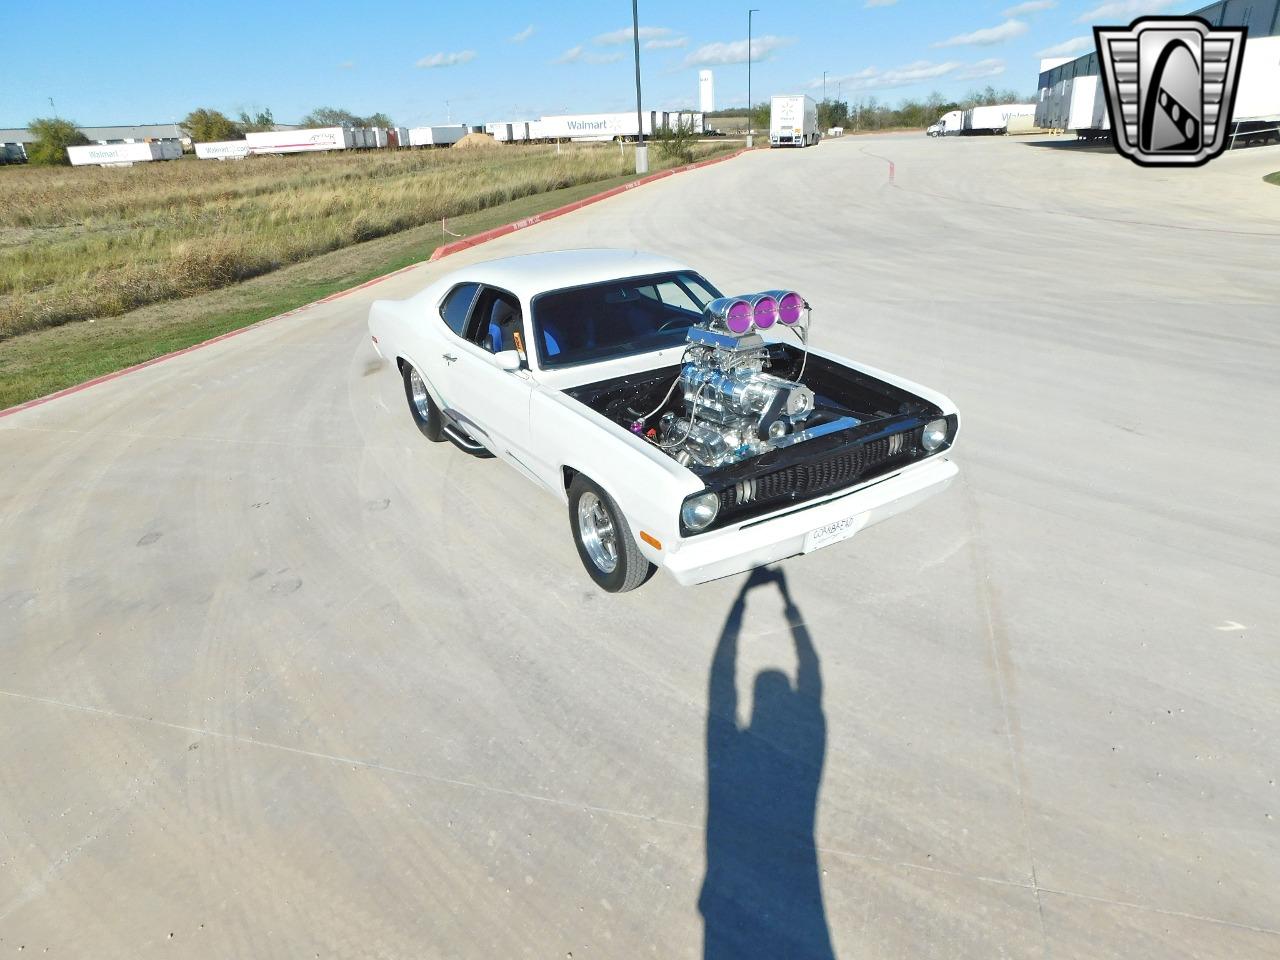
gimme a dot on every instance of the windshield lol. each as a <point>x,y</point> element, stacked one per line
<point>617,318</point>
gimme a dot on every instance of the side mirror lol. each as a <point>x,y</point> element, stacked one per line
<point>508,360</point>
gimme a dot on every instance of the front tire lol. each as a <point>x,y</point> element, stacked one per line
<point>605,545</point>
<point>422,408</point>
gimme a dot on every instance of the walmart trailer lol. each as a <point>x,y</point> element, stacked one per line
<point>223,150</point>
<point>123,154</point>
<point>793,121</point>
<point>995,119</point>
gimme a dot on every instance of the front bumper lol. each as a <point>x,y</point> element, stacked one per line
<point>763,540</point>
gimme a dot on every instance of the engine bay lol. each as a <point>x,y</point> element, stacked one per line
<point>735,397</point>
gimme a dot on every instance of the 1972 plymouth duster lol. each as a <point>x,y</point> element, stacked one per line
<point>684,429</point>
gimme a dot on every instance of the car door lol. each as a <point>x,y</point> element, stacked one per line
<point>443,336</point>
<point>492,404</point>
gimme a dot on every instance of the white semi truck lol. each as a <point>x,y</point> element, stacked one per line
<point>948,124</point>
<point>793,121</point>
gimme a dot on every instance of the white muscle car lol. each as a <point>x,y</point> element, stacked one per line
<point>684,429</point>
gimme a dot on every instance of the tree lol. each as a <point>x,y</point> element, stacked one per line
<point>336,117</point>
<point>53,136</point>
<point>208,126</point>
<point>833,113</point>
<point>262,120</point>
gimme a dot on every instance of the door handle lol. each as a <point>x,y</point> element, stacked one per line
<point>449,357</point>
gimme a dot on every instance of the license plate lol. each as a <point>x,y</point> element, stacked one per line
<point>831,533</point>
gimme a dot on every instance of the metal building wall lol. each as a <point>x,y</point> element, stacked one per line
<point>1262,17</point>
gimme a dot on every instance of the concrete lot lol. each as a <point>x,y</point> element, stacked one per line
<point>278,678</point>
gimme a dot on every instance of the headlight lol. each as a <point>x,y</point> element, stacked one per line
<point>935,435</point>
<point>699,510</point>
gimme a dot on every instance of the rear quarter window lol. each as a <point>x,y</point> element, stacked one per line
<point>456,305</point>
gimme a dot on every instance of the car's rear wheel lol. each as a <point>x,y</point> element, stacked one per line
<point>424,410</point>
<point>603,538</point>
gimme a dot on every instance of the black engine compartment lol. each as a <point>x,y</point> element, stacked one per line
<point>804,470</point>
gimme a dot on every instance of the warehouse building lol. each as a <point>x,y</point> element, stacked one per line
<point>1071,95</point>
<point>13,140</point>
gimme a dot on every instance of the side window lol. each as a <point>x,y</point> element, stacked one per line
<point>456,306</point>
<point>496,322</point>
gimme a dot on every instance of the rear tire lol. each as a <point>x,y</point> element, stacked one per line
<point>605,545</point>
<point>422,408</point>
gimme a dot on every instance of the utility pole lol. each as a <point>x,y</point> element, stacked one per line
<point>824,86</point>
<point>448,112</point>
<point>642,151</point>
<point>750,105</point>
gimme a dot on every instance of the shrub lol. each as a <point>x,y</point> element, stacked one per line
<point>676,143</point>
<point>53,136</point>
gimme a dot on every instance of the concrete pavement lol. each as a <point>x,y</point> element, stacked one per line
<point>280,678</point>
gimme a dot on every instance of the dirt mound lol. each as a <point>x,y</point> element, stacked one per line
<point>480,140</point>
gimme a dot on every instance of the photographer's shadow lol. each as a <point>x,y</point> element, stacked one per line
<point>762,896</point>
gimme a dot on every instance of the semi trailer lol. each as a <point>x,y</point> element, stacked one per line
<point>223,150</point>
<point>301,141</point>
<point>123,154</point>
<point>793,121</point>
<point>443,135</point>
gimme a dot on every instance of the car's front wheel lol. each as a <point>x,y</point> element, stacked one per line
<point>604,540</point>
<point>423,409</point>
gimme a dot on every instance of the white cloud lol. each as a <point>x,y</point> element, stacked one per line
<point>522,36</point>
<point>921,71</point>
<point>580,54</point>
<point>981,70</point>
<point>987,36</point>
<point>1122,11</point>
<point>670,43</point>
<point>880,3</point>
<point>720,54</point>
<point>1031,6</point>
<point>1067,48</point>
<point>446,59</point>
<point>873,78</point>
<point>624,35</point>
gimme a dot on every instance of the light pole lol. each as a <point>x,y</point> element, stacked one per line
<point>642,151</point>
<point>824,86</point>
<point>750,107</point>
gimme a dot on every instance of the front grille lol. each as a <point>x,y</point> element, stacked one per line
<point>803,481</point>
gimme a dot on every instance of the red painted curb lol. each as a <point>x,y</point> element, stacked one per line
<point>506,228</point>
<point>440,252</point>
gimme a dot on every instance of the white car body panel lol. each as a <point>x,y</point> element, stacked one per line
<point>525,418</point>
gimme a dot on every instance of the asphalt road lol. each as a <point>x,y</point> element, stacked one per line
<point>279,678</point>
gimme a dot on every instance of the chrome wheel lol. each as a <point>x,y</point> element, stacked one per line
<point>418,390</point>
<point>597,533</point>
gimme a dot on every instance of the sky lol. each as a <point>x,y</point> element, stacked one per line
<point>474,62</point>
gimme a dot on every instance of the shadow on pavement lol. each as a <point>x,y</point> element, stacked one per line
<point>762,896</point>
<point>1077,146</point>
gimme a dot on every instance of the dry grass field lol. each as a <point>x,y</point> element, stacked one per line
<point>86,242</point>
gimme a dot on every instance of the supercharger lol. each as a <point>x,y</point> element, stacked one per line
<point>732,408</point>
